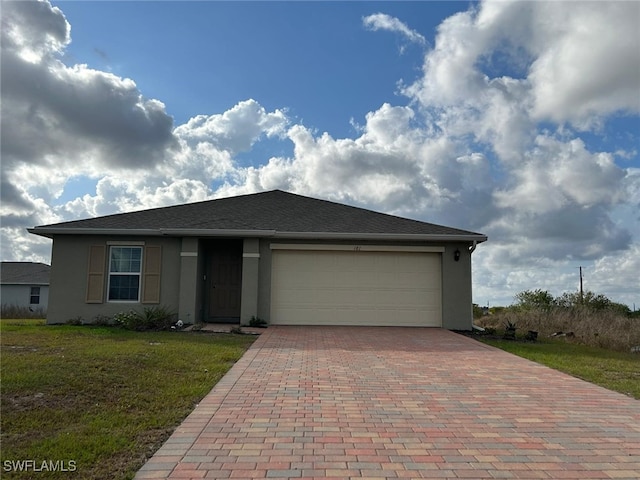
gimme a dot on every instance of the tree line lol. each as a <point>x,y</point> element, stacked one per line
<point>539,299</point>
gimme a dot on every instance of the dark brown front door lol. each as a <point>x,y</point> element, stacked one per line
<point>225,281</point>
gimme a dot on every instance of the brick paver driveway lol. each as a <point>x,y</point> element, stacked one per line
<point>342,402</point>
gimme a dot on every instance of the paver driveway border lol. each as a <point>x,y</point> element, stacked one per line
<point>387,402</point>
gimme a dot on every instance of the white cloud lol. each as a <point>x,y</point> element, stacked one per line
<point>382,21</point>
<point>33,30</point>
<point>60,121</point>
<point>236,130</point>
<point>623,268</point>
<point>587,64</point>
<point>558,174</point>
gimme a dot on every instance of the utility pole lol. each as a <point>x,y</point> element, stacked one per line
<point>581,292</point>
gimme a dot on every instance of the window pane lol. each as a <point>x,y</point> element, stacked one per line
<point>34,297</point>
<point>125,259</point>
<point>125,266</point>
<point>124,287</point>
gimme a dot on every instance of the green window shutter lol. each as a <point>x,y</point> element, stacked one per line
<point>151,274</point>
<point>95,275</point>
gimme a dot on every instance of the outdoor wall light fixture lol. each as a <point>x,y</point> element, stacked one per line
<point>456,255</point>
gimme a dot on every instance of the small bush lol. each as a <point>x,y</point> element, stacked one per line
<point>151,318</point>
<point>75,321</point>
<point>257,322</point>
<point>509,330</point>
<point>102,320</point>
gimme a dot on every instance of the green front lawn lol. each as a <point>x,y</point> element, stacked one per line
<point>101,397</point>
<point>616,371</point>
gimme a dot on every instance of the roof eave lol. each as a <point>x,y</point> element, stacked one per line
<point>424,237</point>
<point>49,232</point>
<point>178,232</point>
<point>151,232</point>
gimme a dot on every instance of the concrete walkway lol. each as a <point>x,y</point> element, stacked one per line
<point>379,403</point>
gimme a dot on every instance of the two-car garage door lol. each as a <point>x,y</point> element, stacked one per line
<point>356,287</point>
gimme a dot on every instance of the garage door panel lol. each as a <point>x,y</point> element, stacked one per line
<point>355,288</point>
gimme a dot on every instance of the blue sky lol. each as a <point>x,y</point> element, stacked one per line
<point>520,120</point>
<point>208,56</point>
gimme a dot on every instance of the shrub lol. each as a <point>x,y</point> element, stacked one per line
<point>102,320</point>
<point>127,320</point>
<point>509,330</point>
<point>478,311</point>
<point>151,318</point>
<point>257,322</point>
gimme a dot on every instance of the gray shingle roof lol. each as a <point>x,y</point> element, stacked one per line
<point>24,273</point>
<point>268,211</point>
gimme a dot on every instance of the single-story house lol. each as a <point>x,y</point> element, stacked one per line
<point>276,256</point>
<point>24,285</point>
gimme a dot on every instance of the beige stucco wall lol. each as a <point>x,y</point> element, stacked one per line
<point>68,281</point>
<point>457,306</point>
<point>182,271</point>
<point>250,280</point>
<point>189,280</point>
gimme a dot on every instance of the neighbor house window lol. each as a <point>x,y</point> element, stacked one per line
<point>125,265</point>
<point>34,298</point>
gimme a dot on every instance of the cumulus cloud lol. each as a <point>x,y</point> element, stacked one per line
<point>236,130</point>
<point>33,30</point>
<point>382,21</point>
<point>571,67</point>
<point>554,198</point>
<point>67,119</point>
<point>586,63</point>
<point>489,140</point>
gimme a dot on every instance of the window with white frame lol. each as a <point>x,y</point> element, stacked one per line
<point>125,266</point>
<point>34,296</point>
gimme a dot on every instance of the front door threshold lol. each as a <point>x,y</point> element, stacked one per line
<point>229,320</point>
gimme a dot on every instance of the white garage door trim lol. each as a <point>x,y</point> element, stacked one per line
<point>355,248</point>
<point>347,285</point>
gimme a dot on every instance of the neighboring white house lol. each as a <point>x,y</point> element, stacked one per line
<point>24,285</point>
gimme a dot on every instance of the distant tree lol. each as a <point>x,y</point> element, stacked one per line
<point>621,308</point>
<point>568,299</point>
<point>588,299</point>
<point>534,299</point>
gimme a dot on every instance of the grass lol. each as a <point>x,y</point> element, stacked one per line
<point>102,397</point>
<point>618,371</point>
<point>597,348</point>
<point>107,398</point>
